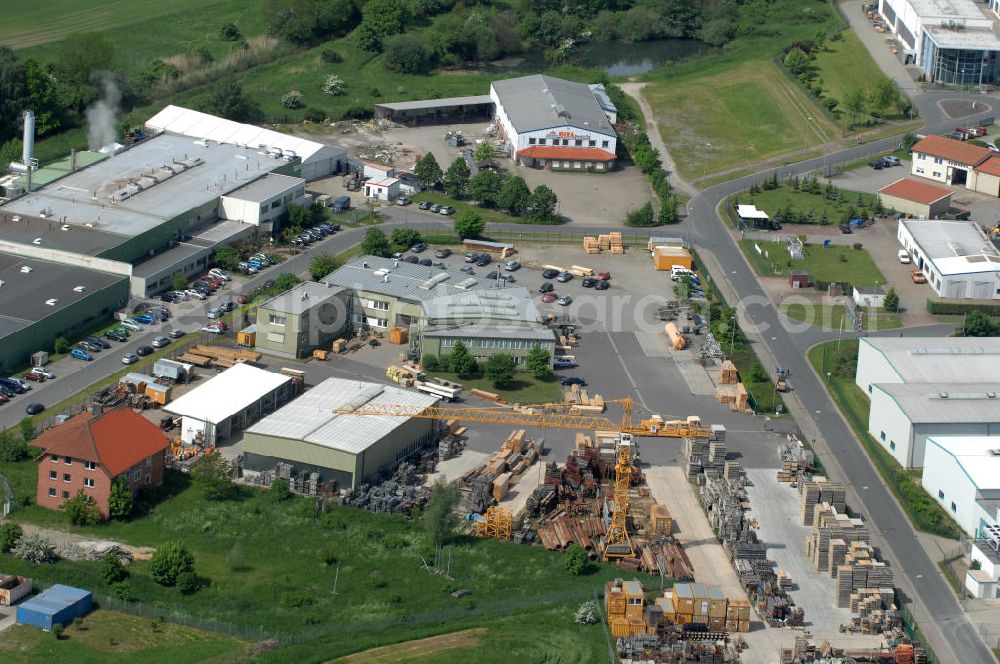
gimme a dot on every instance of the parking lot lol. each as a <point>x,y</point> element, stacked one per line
<point>597,199</point>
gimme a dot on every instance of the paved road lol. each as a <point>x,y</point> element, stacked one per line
<point>949,632</point>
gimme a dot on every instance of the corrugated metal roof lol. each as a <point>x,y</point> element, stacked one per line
<point>55,599</point>
<point>428,104</point>
<point>492,332</point>
<point>512,303</point>
<point>266,188</point>
<point>945,402</point>
<point>395,278</point>
<point>940,359</point>
<point>229,392</point>
<point>310,418</point>
<point>301,298</point>
<point>539,102</point>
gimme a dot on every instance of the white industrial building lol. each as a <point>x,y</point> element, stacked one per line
<point>957,257</point>
<point>229,403</point>
<point>953,360</point>
<point>952,41</point>
<point>555,124</point>
<point>904,415</point>
<point>382,188</point>
<point>962,473</point>
<point>263,201</point>
<point>318,159</point>
<point>982,583</point>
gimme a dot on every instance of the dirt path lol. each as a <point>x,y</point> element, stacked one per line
<point>76,547</point>
<point>421,648</point>
<point>634,90</point>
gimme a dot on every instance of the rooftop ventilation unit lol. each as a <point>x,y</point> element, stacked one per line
<point>466,284</point>
<point>52,302</point>
<point>434,281</point>
<point>381,272</point>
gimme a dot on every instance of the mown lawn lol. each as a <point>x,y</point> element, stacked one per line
<point>524,389</point>
<point>832,317</point>
<point>845,65</point>
<point>835,263</point>
<point>109,636</point>
<point>839,207</point>
<point>383,594</point>
<point>836,369</point>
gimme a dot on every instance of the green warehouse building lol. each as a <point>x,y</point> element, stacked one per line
<point>309,316</point>
<point>439,308</point>
<point>351,449</point>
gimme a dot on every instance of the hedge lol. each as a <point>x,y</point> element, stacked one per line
<point>958,309</point>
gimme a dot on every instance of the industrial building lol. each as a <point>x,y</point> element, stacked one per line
<point>957,257</point>
<point>308,316</point>
<point>962,473</point>
<point>952,360</point>
<point>55,606</point>
<point>80,238</point>
<point>951,41</point>
<point>555,124</point>
<point>945,159</point>
<point>916,199</point>
<point>438,308</point>
<point>904,415</point>
<point>229,403</point>
<point>350,449</point>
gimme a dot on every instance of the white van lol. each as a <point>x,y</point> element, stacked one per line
<point>564,362</point>
<point>904,257</point>
<point>678,271</point>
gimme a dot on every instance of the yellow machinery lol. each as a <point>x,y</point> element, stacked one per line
<point>496,523</point>
<point>558,416</point>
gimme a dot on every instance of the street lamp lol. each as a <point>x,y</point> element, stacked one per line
<point>732,337</point>
<point>704,169</point>
<point>863,489</point>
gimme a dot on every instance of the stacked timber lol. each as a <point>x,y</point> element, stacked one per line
<point>820,490</point>
<point>591,244</point>
<point>728,374</point>
<point>581,402</point>
<point>615,244</point>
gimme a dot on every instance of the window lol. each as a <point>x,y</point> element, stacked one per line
<point>65,495</point>
<point>531,141</point>
<point>940,494</point>
<point>54,458</point>
<point>892,444</point>
<point>263,209</point>
<point>275,205</point>
<point>149,479</point>
<point>936,174</point>
<point>68,461</point>
<point>953,508</point>
<point>578,142</point>
<point>53,475</point>
<point>604,144</point>
<point>52,493</point>
<point>88,482</point>
<point>149,462</point>
<point>541,141</point>
<point>920,171</point>
<point>921,155</point>
<point>67,477</point>
<point>276,337</point>
<point>882,436</point>
<point>591,143</point>
<point>89,465</point>
<point>378,306</point>
<point>938,160</point>
<point>276,320</point>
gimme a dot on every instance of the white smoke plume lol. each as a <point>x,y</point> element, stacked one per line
<point>101,116</point>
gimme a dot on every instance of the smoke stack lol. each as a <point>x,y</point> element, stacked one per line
<point>72,160</point>
<point>28,151</point>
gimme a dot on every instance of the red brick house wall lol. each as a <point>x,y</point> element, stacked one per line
<point>147,473</point>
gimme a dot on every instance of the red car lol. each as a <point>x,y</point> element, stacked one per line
<point>549,297</point>
<point>215,281</point>
<point>219,324</point>
<point>603,276</point>
<point>38,378</point>
<point>4,398</point>
<point>241,298</point>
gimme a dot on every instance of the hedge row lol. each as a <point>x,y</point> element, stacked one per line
<point>958,309</point>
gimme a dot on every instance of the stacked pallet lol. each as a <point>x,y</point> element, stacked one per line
<point>829,524</point>
<point>735,396</point>
<point>591,245</point>
<point>733,471</point>
<point>728,374</point>
<point>820,490</point>
<point>492,481</point>
<point>616,246</point>
<point>581,402</point>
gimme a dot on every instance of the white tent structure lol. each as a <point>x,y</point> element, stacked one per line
<point>318,160</point>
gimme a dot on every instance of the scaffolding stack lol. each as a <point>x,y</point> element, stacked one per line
<point>820,490</point>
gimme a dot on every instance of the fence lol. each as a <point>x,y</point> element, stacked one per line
<point>912,630</point>
<point>628,239</point>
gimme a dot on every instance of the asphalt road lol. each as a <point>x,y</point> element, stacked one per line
<point>936,607</point>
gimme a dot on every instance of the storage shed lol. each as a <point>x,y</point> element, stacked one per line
<point>247,337</point>
<point>382,188</point>
<point>665,258</point>
<point>178,372</point>
<point>57,605</point>
<point>798,279</point>
<point>869,296</point>
<point>917,199</point>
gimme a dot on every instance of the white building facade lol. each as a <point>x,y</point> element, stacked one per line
<point>957,258</point>
<point>961,473</point>
<point>261,203</point>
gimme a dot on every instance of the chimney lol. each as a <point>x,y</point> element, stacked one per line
<point>28,150</point>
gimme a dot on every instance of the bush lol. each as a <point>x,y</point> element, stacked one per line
<point>333,85</point>
<point>643,217</point>
<point>315,115</point>
<point>461,362</point>
<point>329,56</point>
<point>329,557</point>
<point>469,224</point>
<point>35,549</point>
<point>12,449</point>
<point>959,309</point>
<point>124,590</point>
<point>112,570</point>
<point>857,246</point>
<point>10,533</point>
<point>279,491</point>
<point>169,562</point>
<point>213,474</point>
<point>229,32</point>
<point>576,560</point>
<point>500,369</point>
<point>292,99</point>
<point>120,500</point>
<point>539,362</point>
<point>429,362</point>
<point>82,510</point>
<point>188,583</point>
<point>407,54</point>
<point>61,345</point>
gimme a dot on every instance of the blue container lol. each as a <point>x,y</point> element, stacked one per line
<point>57,605</point>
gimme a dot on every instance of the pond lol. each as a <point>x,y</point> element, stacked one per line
<point>614,58</point>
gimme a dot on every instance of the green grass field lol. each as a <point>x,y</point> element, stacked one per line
<point>832,317</point>
<point>845,65</point>
<point>383,594</point>
<point>822,264</point>
<point>836,370</point>
<point>801,202</point>
<point>525,388</point>
<point>108,636</point>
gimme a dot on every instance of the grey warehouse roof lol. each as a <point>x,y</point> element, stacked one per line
<point>395,278</point>
<point>161,177</point>
<point>491,332</point>
<point>926,403</point>
<point>266,188</point>
<point>428,104</point>
<point>940,359</point>
<point>23,295</point>
<point>499,304</point>
<point>301,298</point>
<point>945,239</point>
<point>540,101</point>
<point>311,419</point>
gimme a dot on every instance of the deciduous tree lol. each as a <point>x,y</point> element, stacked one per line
<point>427,170</point>
<point>375,243</point>
<point>460,361</point>
<point>439,514</point>
<point>322,265</point>
<point>539,362</point>
<point>514,196</point>
<point>170,560</point>
<point>120,500</point>
<point>469,223</point>
<point>82,510</point>
<point>542,205</point>
<point>213,474</point>
<point>456,178</point>
<point>485,188</point>
<point>500,369</point>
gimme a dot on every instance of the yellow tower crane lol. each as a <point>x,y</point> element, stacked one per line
<point>561,416</point>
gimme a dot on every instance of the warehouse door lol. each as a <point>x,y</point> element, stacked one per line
<point>982,290</point>
<point>955,289</point>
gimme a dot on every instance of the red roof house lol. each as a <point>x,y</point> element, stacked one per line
<point>90,451</point>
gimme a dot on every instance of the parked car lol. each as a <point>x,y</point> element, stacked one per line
<point>33,377</point>
<point>179,296</point>
<point>130,324</point>
<point>129,358</point>
<point>219,324</point>
<point>507,278</point>
<point>446,209</point>
<point>403,200</point>
<point>34,408</point>
<point>550,273</point>
<point>564,277</point>
<point>439,265</point>
<point>115,336</point>
<point>13,387</point>
<point>546,287</point>
<point>425,205</point>
<point>484,260</point>
<point>176,334</point>
<point>145,319</point>
<point>572,380</point>
<point>890,160</point>
<point>471,257</point>
<point>549,297</point>
<point>143,351</point>
<point>589,282</point>
<point>214,312</point>
<point>602,285</point>
<point>903,257</point>
<point>80,354</point>
<point>467,269</point>
<point>435,207</point>
<point>160,342</point>
<point>41,371</point>
<point>411,259</point>
<point>511,266</point>
<point>775,225</point>
<point>167,297</point>
<point>90,348</point>
<point>97,341</point>
<point>196,294</point>
<point>565,300</point>
<point>418,247</point>
<point>216,272</point>
<point>228,305</point>
<point>444,252</point>
<point>603,275</point>
<point>846,229</point>
<point>563,363</point>
<point>426,262</point>
<point>918,277</point>
<point>878,164</point>
<point>211,329</point>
